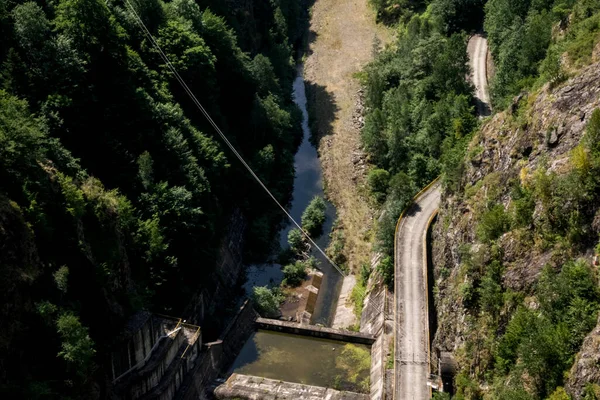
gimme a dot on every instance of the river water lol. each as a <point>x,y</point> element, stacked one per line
<point>308,183</point>
<point>306,360</point>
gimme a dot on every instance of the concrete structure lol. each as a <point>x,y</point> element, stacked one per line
<point>377,320</point>
<point>255,388</point>
<point>411,352</point>
<point>314,331</point>
<point>155,358</point>
<point>344,313</point>
<point>163,358</point>
<point>217,356</point>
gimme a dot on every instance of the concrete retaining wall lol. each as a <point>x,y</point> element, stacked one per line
<point>216,357</point>
<point>314,331</point>
<point>376,319</point>
<point>254,388</point>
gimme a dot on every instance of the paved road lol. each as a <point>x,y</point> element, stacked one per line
<point>411,350</point>
<point>411,347</point>
<point>477,49</point>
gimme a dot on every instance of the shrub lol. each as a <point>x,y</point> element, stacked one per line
<point>296,240</point>
<point>386,269</point>
<point>313,217</point>
<point>335,250</point>
<point>493,223</point>
<point>523,207</point>
<point>365,272</point>
<point>77,346</point>
<point>294,274</point>
<point>266,301</point>
<point>379,180</point>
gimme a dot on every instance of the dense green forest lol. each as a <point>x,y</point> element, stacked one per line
<point>114,192</point>
<point>420,109</point>
<point>420,113</point>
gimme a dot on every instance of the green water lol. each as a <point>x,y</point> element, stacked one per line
<point>306,360</point>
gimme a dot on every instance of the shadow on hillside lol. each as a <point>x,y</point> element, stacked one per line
<point>483,109</point>
<point>321,109</point>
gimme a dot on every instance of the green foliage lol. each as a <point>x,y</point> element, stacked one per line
<point>545,342</point>
<point>522,207</point>
<point>313,217</point>
<point>335,250</point>
<point>114,172</point>
<point>356,362</point>
<point>61,278</point>
<point>73,196</point>
<point>77,346</point>
<point>591,391</point>
<point>294,274</point>
<point>493,223</point>
<point>591,138</point>
<point>358,295</point>
<point>266,301</point>
<point>386,269</point>
<point>441,396</point>
<point>378,183</point>
<point>520,39</point>
<point>559,394</point>
<point>420,110</point>
<point>296,240</point>
<point>456,15</point>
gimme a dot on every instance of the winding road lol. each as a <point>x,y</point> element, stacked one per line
<point>411,351</point>
<point>478,50</point>
<point>411,329</point>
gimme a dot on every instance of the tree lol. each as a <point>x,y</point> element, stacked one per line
<point>77,346</point>
<point>296,240</point>
<point>294,274</point>
<point>378,182</point>
<point>265,301</point>
<point>386,269</point>
<point>314,216</point>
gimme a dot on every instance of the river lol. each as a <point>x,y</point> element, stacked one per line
<point>308,183</point>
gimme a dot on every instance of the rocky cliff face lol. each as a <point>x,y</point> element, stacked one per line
<point>539,130</point>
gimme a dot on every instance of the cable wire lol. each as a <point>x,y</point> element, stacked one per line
<point>220,133</point>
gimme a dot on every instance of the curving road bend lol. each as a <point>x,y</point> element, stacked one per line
<point>411,343</point>
<point>478,50</point>
<point>411,350</point>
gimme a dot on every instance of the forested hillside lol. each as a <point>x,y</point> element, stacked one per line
<point>516,293</point>
<point>420,111</point>
<point>114,191</point>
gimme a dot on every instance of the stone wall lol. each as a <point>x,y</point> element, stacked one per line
<point>217,357</point>
<point>146,363</point>
<point>252,387</point>
<point>158,354</point>
<point>314,331</point>
<point>377,320</point>
<point>224,282</point>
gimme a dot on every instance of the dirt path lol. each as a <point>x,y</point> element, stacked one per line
<point>341,39</point>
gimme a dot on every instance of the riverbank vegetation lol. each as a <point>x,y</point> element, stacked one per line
<point>115,193</point>
<point>296,259</point>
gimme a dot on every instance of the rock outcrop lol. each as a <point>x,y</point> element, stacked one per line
<point>539,129</point>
